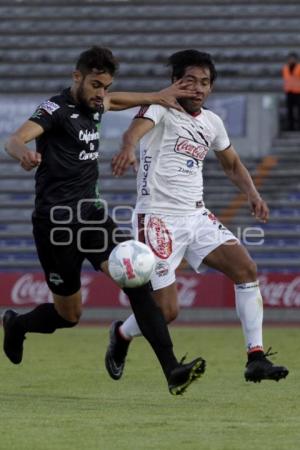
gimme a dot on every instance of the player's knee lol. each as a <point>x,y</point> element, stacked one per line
<point>247,272</point>
<point>252,270</point>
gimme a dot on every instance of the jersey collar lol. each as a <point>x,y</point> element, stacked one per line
<point>68,96</point>
<point>195,114</point>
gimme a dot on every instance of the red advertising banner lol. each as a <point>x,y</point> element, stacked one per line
<point>212,290</point>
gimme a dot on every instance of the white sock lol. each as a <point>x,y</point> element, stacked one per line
<point>130,329</point>
<point>249,307</point>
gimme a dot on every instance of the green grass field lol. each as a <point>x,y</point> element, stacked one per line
<point>61,398</point>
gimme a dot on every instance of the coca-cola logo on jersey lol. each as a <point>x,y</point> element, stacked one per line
<point>280,293</point>
<point>191,148</point>
<point>29,289</point>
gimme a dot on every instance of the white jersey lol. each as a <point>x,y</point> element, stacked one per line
<point>170,177</point>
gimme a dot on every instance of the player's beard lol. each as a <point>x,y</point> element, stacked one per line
<point>82,100</point>
<point>189,106</point>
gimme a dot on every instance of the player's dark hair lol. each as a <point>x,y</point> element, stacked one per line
<point>179,61</point>
<point>97,58</point>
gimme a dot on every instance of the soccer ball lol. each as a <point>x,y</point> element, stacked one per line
<point>131,264</point>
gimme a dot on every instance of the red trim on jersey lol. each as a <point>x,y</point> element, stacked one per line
<point>194,114</point>
<point>142,111</point>
<point>141,228</point>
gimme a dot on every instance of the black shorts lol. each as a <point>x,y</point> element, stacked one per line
<point>63,248</point>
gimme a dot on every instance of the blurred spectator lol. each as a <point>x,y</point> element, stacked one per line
<point>291,86</point>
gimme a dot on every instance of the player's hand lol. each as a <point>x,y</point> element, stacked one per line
<point>30,160</point>
<point>168,97</point>
<point>259,208</point>
<point>124,159</point>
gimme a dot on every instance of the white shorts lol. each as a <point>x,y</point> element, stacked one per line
<point>172,238</point>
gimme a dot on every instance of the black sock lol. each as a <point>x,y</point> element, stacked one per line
<point>43,319</point>
<point>153,326</point>
<point>121,347</point>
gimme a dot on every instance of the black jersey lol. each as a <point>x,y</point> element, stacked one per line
<point>69,146</point>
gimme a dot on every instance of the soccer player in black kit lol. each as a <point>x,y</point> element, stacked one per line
<point>67,209</point>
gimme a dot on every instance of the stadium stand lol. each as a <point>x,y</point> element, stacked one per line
<point>280,188</point>
<point>248,39</point>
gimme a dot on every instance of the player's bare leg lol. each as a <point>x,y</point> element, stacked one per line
<point>167,299</point>
<point>234,261</point>
<point>69,307</point>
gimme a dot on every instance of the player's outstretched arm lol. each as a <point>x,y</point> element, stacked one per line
<point>16,145</point>
<point>126,156</point>
<point>239,175</point>
<point>117,101</point>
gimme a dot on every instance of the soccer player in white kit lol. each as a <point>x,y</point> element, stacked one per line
<point>170,214</point>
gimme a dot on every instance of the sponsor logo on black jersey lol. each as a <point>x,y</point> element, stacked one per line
<point>84,156</point>
<point>88,136</point>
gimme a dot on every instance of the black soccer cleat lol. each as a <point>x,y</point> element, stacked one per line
<point>183,375</point>
<point>116,352</point>
<point>262,368</point>
<point>13,337</point>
